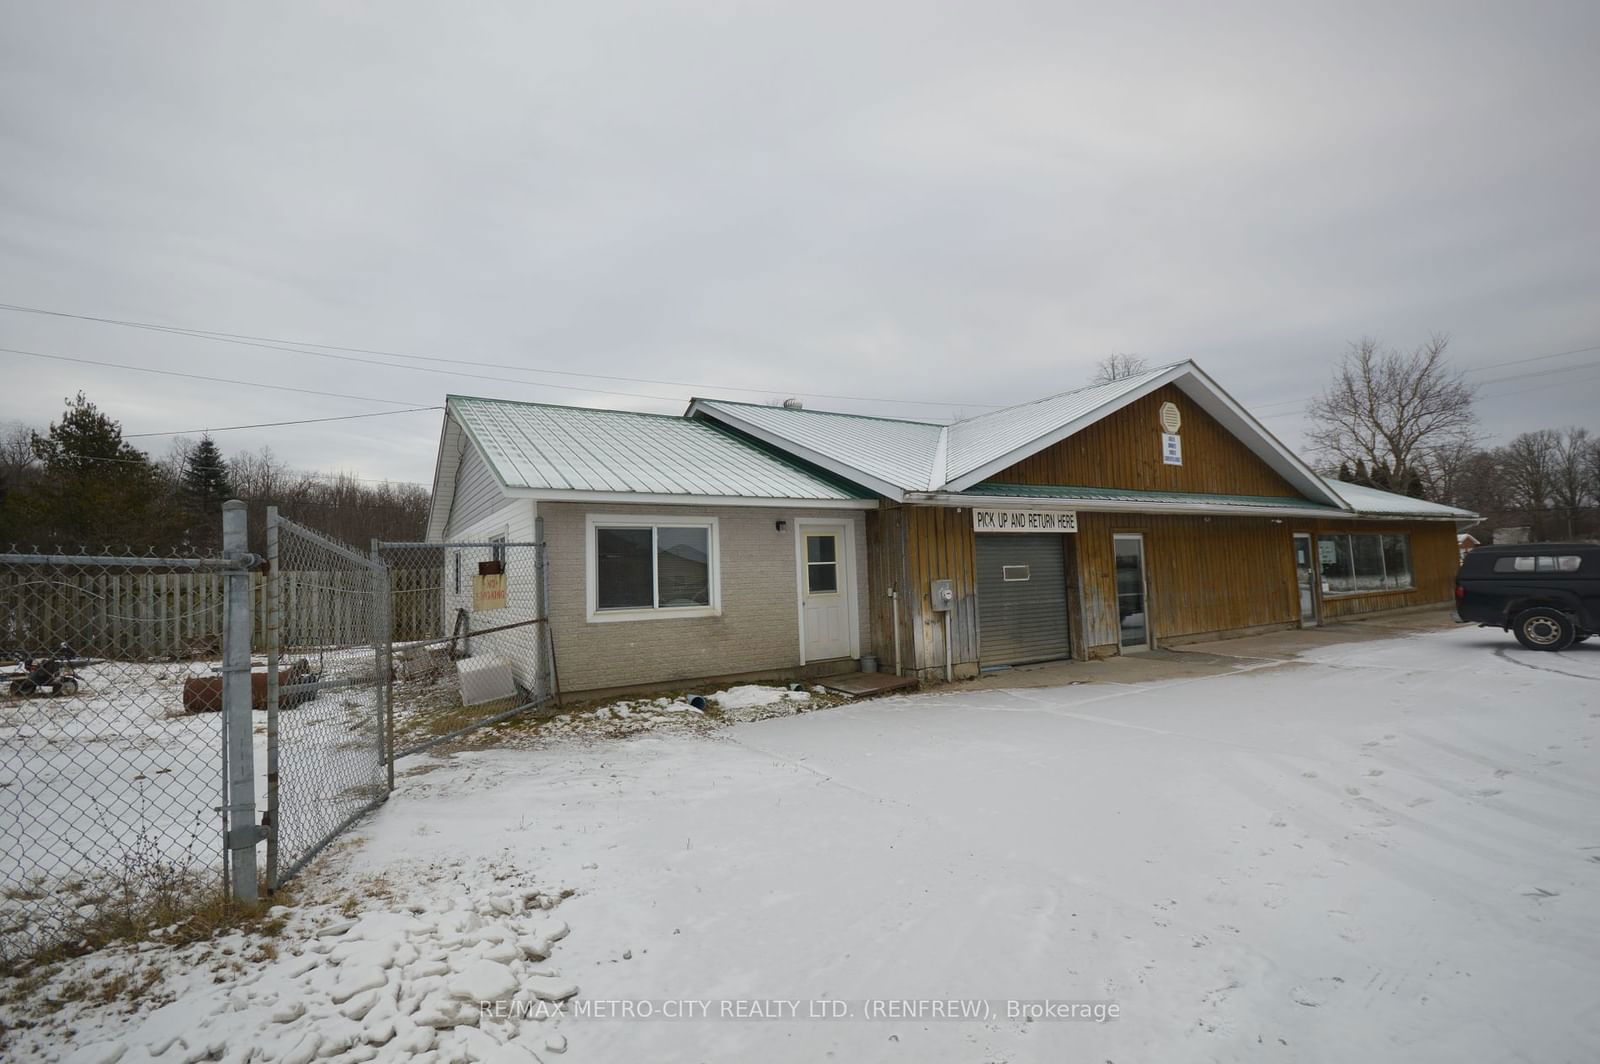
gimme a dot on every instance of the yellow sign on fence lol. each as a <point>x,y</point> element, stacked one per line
<point>488,592</point>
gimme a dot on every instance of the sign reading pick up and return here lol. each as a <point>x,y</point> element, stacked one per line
<point>1024,520</point>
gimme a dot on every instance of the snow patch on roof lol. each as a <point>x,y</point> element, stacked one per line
<point>1365,500</point>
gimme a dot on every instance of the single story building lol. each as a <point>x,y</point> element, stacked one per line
<point>742,540</point>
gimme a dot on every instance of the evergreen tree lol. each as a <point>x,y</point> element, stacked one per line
<point>1344,473</point>
<point>1380,475</point>
<point>93,489</point>
<point>205,484</point>
<point>1361,473</point>
<point>1414,487</point>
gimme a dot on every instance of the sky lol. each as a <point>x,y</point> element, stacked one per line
<point>908,209</point>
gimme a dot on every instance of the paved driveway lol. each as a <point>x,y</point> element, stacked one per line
<point>1384,850</point>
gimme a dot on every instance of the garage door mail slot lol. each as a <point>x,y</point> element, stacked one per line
<point>1024,520</point>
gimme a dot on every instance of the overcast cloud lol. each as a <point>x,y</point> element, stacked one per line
<point>962,203</point>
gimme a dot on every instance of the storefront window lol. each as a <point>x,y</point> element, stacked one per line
<point>1333,554</point>
<point>1365,561</point>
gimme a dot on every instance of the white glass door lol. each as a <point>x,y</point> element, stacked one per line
<point>1132,614</point>
<point>1305,577</point>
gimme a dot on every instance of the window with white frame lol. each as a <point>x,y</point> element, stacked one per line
<point>667,567</point>
<point>1356,562</point>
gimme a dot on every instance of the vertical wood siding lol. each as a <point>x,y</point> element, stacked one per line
<point>885,561</point>
<point>1124,451</point>
<point>1203,576</point>
<point>939,546</point>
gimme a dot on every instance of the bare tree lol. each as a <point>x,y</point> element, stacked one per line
<point>342,505</point>
<point>1448,467</point>
<point>170,465</point>
<point>1393,411</point>
<point>1481,485</point>
<point>1115,367</point>
<point>1528,464</point>
<point>1592,468</point>
<point>259,475</point>
<point>1570,486</point>
<point>17,460</point>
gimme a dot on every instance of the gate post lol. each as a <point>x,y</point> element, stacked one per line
<point>274,591</point>
<point>239,759</point>
<point>383,647</point>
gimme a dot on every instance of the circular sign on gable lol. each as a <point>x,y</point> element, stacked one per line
<point>1171,419</point>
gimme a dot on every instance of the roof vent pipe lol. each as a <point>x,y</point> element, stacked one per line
<point>793,404</point>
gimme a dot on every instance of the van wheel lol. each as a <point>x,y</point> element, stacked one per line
<point>1544,628</point>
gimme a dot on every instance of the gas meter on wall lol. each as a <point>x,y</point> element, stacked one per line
<point>942,594</point>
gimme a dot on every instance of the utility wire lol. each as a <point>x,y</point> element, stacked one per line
<point>1474,369</point>
<point>302,346</point>
<point>276,424</point>
<point>203,377</point>
<point>1494,395</point>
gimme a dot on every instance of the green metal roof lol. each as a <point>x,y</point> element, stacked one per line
<point>569,448</point>
<point>1074,493</point>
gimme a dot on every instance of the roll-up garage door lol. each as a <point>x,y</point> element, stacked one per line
<point>1022,599</point>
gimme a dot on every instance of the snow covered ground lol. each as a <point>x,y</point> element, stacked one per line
<point>1381,851</point>
<point>117,784</point>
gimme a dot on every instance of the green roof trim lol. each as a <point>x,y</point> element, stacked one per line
<point>1071,492</point>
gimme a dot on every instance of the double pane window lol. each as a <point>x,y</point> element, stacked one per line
<point>643,567</point>
<point>822,563</point>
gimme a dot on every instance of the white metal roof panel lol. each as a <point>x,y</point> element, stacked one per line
<point>1365,500</point>
<point>976,441</point>
<point>897,452</point>
<point>568,448</point>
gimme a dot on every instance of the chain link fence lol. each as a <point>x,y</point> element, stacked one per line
<point>326,680</point>
<point>135,720</point>
<point>471,646</point>
<point>112,789</point>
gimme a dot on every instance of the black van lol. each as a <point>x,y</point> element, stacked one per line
<point>1547,594</point>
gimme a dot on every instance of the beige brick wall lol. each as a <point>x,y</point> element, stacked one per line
<point>758,629</point>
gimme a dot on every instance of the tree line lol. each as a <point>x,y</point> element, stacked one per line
<point>1406,421</point>
<point>80,483</point>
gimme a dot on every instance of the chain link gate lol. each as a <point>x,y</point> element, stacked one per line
<point>480,607</point>
<point>114,790</point>
<point>326,686</point>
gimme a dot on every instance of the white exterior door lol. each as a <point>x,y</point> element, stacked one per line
<point>826,573</point>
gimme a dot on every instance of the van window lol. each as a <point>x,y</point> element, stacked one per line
<point>1538,563</point>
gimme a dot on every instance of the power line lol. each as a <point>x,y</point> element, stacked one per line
<point>302,346</point>
<point>1474,369</point>
<point>203,377</point>
<point>1493,395</point>
<point>277,424</point>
